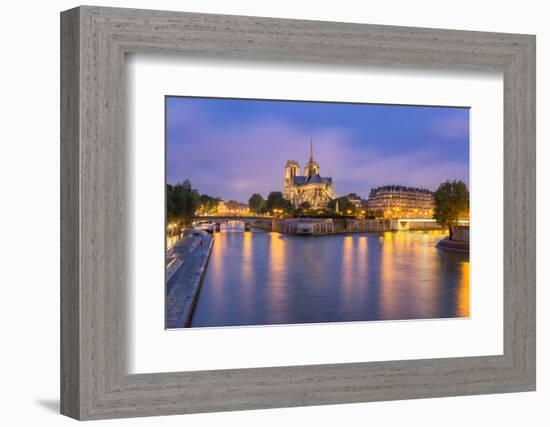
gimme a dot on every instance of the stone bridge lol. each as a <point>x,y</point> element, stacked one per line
<point>258,221</point>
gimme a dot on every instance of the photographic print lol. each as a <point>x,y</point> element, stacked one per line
<point>295,212</point>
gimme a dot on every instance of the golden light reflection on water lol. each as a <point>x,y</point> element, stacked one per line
<point>269,278</point>
<point>246,288</point>
<point>277,264</point>
<point>347,268</point>
<point>216,267</point>
<point>277,267</point>
<point>387,274</point>
<point>362,266</point>
<point>247,270</point>
<point>463,297</point>
<point>414,276</point>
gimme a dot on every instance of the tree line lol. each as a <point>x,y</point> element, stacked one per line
<point>183,201</point>
<point>276,201</point>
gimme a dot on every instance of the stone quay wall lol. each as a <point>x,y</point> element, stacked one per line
<point>346,225</point>
<point>183,283</point>
<point>317,226</point>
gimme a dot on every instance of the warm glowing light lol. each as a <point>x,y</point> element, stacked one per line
<point>389,275</point>
<point>247,269</point>
<point>347,268</point>
<point>277,292</point>
<point>463,304</point>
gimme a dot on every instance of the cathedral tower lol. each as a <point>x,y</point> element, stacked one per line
<point>310,187</point>
<point>292,169</point>
<point>312,167</point>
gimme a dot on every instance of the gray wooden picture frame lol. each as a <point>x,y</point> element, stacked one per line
<point>94,42</point>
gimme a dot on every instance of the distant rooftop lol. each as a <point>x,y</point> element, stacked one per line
<point>398,188</point>
<point>314,179</point>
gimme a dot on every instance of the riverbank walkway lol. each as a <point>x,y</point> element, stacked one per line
<point>184,274</point>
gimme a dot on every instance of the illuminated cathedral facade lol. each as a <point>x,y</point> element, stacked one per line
<point>310,187</point>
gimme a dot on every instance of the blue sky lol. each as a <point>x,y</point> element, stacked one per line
<point>232,148</point>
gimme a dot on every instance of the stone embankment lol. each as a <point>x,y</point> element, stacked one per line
<point>453,246</point>
<point>187,261</point>
<point>323,226</point>
<point>460,242</point>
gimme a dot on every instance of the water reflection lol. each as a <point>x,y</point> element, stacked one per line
<point>348,273</point>
<point>259,277</point>
<point>463,291</point>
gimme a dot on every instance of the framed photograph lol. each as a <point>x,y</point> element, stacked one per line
<point>242,212</point>
<point>262,213</point>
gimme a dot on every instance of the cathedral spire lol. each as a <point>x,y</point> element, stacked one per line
<point>311,149</point>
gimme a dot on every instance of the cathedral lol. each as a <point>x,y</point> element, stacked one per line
<point>309,187</point>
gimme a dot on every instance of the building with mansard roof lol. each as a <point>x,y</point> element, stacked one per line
<point>398,201</point>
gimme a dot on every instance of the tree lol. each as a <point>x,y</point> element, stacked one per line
<point>233,205</point>
<point>344,205</point>
<point>256,203</point>
<point>275,200</point>
<point>452,202</point>
<point>182,201</point>
<point>208,204</point>
<point>305,206</point>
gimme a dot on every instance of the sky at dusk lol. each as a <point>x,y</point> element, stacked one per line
<point>232,148</point>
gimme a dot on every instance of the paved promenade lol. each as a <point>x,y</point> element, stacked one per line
<point>184,277</point>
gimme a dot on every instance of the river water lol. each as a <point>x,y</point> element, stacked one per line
<point>260,278</point>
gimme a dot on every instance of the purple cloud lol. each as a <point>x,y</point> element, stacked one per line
<point>236,158</point>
